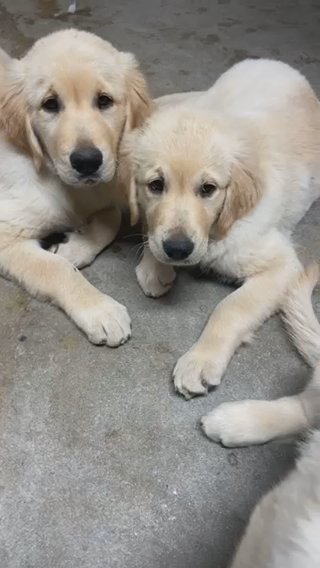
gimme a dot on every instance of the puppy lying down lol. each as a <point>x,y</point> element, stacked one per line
<point>221,179</point>
<point>284,528</point>
<point>64,110</point>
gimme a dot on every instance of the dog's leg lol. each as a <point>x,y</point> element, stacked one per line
<point>257,421</point>
<point>247,422</point>
<point>154,278</point>
<point>100,317</point>
<point>234,318</point>
<point>82,247</point>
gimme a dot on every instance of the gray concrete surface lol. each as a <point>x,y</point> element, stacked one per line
<point>101,464</point>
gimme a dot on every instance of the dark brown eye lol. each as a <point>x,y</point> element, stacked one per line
<point>51,104</point>
<point>104,101</point>
<point>156,185</point>
<point>207,189</point>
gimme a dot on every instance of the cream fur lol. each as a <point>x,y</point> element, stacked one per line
<point>257,421</point>
<point>284,529</point>
<point>40,192</point>
<point>256,135</point>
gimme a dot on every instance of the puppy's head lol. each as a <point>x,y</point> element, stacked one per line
<point>68,103</point>
<point>189,182</point>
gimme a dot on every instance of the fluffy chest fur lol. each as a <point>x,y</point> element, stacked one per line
<point>32,203</point>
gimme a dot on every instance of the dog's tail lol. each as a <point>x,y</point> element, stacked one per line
<point>299,317</point>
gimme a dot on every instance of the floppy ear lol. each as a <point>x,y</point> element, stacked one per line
<point>14,114</point>
<point>242,195</point>
<point>139,101</point>
<point>133,201</point>
<point>126,176</point>
<point>13,106</point>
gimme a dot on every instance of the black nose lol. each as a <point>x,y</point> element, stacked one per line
<point>86,161</point>
<point>178,248</point>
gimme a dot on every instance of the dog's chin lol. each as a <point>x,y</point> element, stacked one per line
<point>85,182</point>
<point>73,179</point>
<point>191,261</point>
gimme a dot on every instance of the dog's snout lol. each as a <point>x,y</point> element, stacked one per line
<point>178,247</point>
<point>86,161</point>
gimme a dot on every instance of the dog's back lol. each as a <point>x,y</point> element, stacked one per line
<point>285,526</point>
<point>256,85</point>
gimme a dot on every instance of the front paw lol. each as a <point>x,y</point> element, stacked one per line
<point>155,283</point>
<point>197,371</point>
<point>242,423</point>
<point>105,323</point>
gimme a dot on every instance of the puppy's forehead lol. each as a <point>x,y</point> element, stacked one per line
<point>71,43</point>
<point>73,56</point>
<point>74,80</point>
<point>183,145</point>
<point>80,82</point>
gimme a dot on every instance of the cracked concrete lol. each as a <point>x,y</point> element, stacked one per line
<point>101,464</point>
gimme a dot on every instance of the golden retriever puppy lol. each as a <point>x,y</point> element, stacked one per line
<point>221,179</point>
<point>284,528</point>
<point>64,110</point>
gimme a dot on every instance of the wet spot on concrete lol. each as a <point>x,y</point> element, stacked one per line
<point>240,55</point>
<point>259,28</point>
<point>306,59</point>
<point>229,23</point>
<point>69,342</point>
<point>187,35</point>
<point>232,459</point>
<point>211,39</point>
<point>162,348</point>
<point>112,436</point>
<point>46,8</point>
<point>9,28</point>
<point>22,338</point>
<point>29,21</point>
<point>19,302</point>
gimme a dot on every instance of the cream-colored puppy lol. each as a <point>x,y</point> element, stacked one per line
<point>222,178</point>
<point>284,528</point>
<point>64,110</point>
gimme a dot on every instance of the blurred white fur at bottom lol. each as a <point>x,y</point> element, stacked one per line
<point>284,529</point>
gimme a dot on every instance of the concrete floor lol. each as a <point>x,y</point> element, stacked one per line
<point>101,464</point>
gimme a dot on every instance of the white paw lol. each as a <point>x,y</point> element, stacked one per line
<point>107,322</point>
<point>155,283</point>
<point>76,250</point>
<point>196,371</point>
<point>236,424</point>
